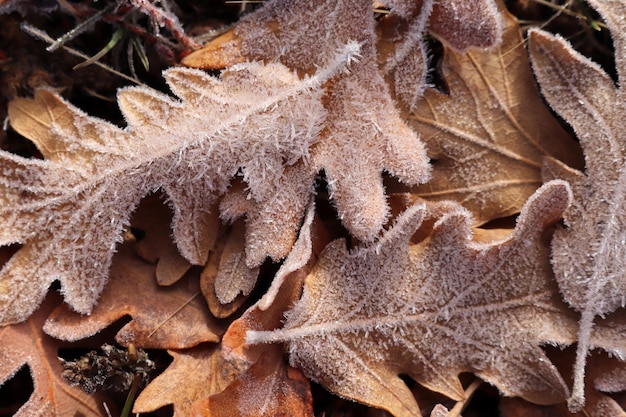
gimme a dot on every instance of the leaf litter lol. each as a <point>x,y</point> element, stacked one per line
<point>446,298</point>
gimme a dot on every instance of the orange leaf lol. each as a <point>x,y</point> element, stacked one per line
<point>268,388</point>
<point>179,319</point>
<point>195,374</point>
<point>26,344</point>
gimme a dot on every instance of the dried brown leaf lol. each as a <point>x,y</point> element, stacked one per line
<point>467,24</point>
<point>173,317</point>
<point>461,25</point>
<point>153,218</point>
<point>432,310</point>
<point>233,276</point>
<point>268,388</point>
<point>401,50</point>
<point>487,137</point>
<point>606,376</point>
<point>402,53</point>
<point>226,281</point>
<point>233,368</point>
<point>195,374</point>
<point>588,255</point>
<point>26,344</point>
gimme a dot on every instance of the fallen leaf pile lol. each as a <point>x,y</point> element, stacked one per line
<point>319,210</point>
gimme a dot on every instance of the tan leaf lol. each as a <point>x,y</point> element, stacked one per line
<point>606,376</point>
<point>268,388</point>
<point>432,310</point>
<point>194,374</point>
<point>440,411</point>
<point>364,134</point>
<point>400,46</point>
<point>226,280</point>
<point>26,344</point>
<point>232,364</point>
<point>172,317</point>
<point>588,256</point>
<point>154,218</point>
<point>402,53</point>
<point>234,277</point>
<point>69,210</point>
<point>461,25</point>
<point>487,137</point>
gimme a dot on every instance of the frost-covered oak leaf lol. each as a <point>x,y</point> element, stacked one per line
<point>226,281</point>
<point>588,255</point>
<point>402,51</point>
<point>153,218</point>
<point>69,209</point>
<point>487,137</point>
<point>460,25</point>
<point>606,375</point>
<point>365,134</point>
<point>433,310</point>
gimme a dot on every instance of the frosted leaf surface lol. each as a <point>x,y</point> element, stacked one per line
<point>68,210</point>
<point>488,136</point>
<point>402,51</point>
<point>365,134</point>
<point>433,310</point>
<point>460,25</point>
<point>588,255</point>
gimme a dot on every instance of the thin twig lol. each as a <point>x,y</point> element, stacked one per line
<point>59,42</point>
<point>39,34</point>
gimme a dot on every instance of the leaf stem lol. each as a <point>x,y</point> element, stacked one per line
<point>130,399</point>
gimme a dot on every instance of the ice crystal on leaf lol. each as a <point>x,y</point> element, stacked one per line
<point>434,309</point>
<point>364,135</point>
<point>401,47</point>
<point>588,255</point>
<point>69,209</point>
<point>365,126</point>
